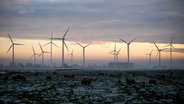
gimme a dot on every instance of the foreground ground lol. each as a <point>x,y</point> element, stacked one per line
<point>108,87</point>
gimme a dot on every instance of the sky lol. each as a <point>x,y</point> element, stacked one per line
<point>102,22</point>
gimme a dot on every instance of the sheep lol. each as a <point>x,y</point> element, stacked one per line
<point>36,73</point>
<point>100,73</point>
<point>161,77</point>
<point>54,72</point>
<point>112,75</point>
<point>5,77</point>
<point>48,77</point>
<point>130,81</point>
<point>152,81</point>
<point>86,81</point>
<point>19,77</point>
<point>179,98</point>
<point>69,76</point>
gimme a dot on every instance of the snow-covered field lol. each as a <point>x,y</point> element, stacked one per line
<point>106,87</point>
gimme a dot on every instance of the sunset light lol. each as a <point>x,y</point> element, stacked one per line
<point>101,23</point>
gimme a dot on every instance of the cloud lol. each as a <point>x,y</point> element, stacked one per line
<point>94,20</point>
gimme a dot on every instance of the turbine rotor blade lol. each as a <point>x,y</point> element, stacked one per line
<point>10,38</point>
<point>132,40</point>
<point>156,45</point>
<point>46,44</point>
<point>66,32</point>
<point>45,52</point>
<point>173,46</point>
<point>39,55</point>
<point>122,40</point>
<point>119,50</point>
<point>31,57</point>
<point>163,49</point>
<point>110,52</point>
<point>55,45</point>
<point>10,48</point>
<point>33,50</point>
<point>18,44</point>
<point>36,54</point>
<point>40,47</point>
<point>167,45</point>
<point>79,44</point>
<point>66,46</point>
<point>88,44</point>
<point>57,38</point>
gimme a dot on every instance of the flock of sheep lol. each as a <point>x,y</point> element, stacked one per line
<point>21,76</point>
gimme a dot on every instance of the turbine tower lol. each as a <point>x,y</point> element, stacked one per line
<point>51,43</point>
<point>128,44</point>
<point>71,54</point>
<point>84,52</point>
<point>42,53</point>
<point>171,47</point>
<point>63,46</point>
<point>150,56</point>
<point>12,46</point>
<point>159,53</point>
<point>34,55</point>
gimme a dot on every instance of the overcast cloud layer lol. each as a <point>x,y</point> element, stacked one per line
<point>94,20</point>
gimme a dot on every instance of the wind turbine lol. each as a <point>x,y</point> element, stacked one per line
<point>171,46</point>
<point>159,53</point>
<point>63,44</point>
<point>34,55</point>
<point>84,52</point>
<point>42,53</point>
<point>114,52</point>
<point>150,56</point>
<point>71,54</point>
<point>117,53</point>
<point>12,46</point>
<point>51,43</point>
<point>128,44</point>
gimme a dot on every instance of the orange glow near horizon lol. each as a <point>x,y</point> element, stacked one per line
<point>96,51</point>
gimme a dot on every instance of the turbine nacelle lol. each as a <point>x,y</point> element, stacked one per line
<point>84,46</point>
<point>42,51</point>
<point>128,43</point>
<point>150,53</point>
